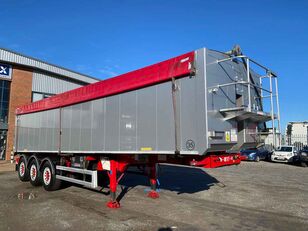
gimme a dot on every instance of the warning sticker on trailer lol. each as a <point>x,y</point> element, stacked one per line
<point>105,164</point>
<point>146,149</point>
<point>227,135</point>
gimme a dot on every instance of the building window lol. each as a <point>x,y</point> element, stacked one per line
<point>2,144</point>
<point>4,100</point>
<point>36,96</point>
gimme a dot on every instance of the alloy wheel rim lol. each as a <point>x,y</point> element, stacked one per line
<point>47,176</point>
<point>33,172</point>
<point>22,169</point>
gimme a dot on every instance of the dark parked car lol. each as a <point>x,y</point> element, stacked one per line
<point>301,158</point>
<point>255,154</point>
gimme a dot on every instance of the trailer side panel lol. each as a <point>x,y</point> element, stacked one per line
<point>39,131</point>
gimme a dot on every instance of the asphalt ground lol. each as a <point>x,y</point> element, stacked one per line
<point>250,196</point>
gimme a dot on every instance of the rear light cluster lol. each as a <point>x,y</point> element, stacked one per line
<point>17,159</point>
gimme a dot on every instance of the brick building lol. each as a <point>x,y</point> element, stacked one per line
<point>23,80</point>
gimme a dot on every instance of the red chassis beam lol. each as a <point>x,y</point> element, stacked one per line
<point>119,164</point>
<point>214,161</point>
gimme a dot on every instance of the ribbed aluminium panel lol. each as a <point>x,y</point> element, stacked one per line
<point>137,121</point>
<point>85,126</point>
<point>12,57</point>
<point>128,117</point>
<point>140,120</point>
<point>39,131</point>
<point>45,83</point>
<point>147,118</point>
<point>98,124</point>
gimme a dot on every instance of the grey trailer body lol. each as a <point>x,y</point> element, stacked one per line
<point>217,109</point>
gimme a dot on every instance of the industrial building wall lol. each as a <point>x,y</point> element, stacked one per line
<point>297,134</point>
<point>51,84</point>
<point>20,94</point>
<point>299,128</point>
<point>12,57</point>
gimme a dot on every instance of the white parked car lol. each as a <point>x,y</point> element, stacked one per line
<point>284,154</point>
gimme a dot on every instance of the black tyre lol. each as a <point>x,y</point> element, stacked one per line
<point>50,183</point>
<point>35,174</point>
<point>23,171</point>
<point>303,164</point>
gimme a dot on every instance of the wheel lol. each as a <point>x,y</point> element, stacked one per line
<point>303,164</point>
<point>35,174</point>
<point>50,183</point>
<point>23,171</point>
<point>268,157</point>
<point>257,158</point>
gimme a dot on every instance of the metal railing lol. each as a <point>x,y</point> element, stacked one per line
<point>269,75</point>
<point>299,141</point>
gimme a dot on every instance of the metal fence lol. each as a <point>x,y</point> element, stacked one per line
<point>299,141</point>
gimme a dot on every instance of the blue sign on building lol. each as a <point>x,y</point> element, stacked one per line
<point>5,71</point>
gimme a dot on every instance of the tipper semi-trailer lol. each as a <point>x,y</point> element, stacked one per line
<point>196,109</point>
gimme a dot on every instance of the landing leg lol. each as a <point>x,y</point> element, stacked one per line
<point>113,203</point>
<point>153,182</point>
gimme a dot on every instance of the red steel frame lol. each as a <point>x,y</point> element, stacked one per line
<point>177,67</point>
<point>119,164</point>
